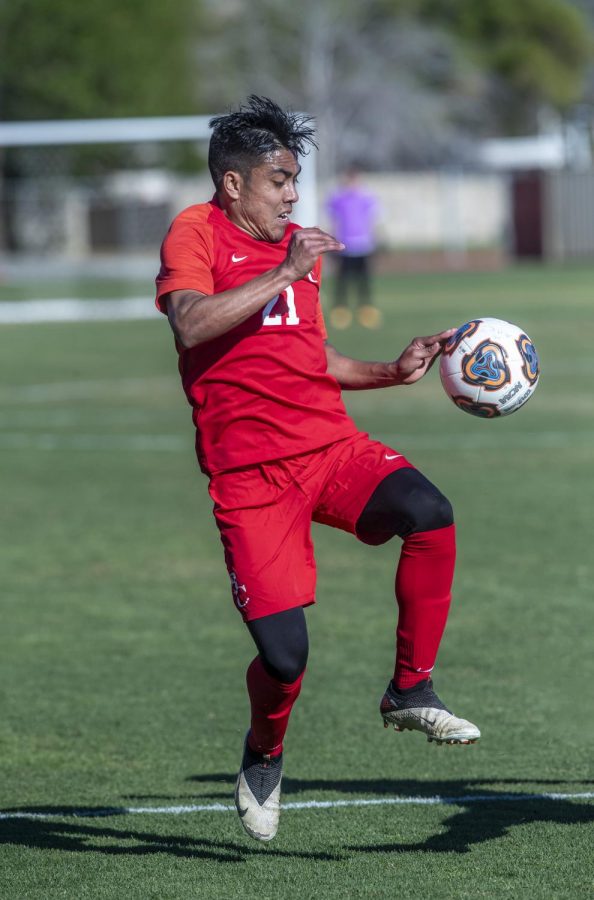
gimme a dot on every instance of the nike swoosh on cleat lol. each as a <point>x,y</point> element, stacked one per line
<point>429,722</point>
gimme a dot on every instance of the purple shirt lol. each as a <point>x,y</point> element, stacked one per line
<point>354,212</point>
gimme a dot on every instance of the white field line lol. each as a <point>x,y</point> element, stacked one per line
<point>135,443</point>
<point>59,391</point>
<point>24,312</point>
<point>172,443</point>
<point>438,800</point>
<point>72,309</point>
<point>489,440</point>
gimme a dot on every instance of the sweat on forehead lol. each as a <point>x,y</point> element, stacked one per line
<point>282,161</point>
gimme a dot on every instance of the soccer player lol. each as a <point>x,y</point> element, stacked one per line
<point>240,285</point>
<point>354,212</point>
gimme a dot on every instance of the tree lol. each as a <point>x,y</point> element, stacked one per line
<point>68,59</point>
<point>535,52</point>
<point>64,59</point>
<point>382,85</point>
<point>402,82</point>
<point>406,82</point>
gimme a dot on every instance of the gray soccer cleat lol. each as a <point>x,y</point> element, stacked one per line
<point>257,793</point>
<point>422,710</point>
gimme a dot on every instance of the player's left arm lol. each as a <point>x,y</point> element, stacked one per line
<point>415,360</point>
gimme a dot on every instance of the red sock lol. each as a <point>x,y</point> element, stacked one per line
<point>423,591</point>
<point>272,702</point>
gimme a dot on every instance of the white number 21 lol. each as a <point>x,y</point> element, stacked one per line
<point>291,319</point>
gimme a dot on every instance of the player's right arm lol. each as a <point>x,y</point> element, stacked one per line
<point>196,317</point>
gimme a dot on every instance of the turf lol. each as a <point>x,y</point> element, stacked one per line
<point>122,659</point>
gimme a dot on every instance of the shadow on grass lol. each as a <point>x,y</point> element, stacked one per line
<point>483,814</point>
<point>486,814</point>
<point>74,837</point>
<point>380,786</point>
<point>477,824</point>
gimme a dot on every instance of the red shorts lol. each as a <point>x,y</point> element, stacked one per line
<point>264,514</point>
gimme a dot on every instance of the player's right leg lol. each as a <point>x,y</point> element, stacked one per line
<point>274,682</point>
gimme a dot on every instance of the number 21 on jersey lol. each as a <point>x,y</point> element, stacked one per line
<point>291,318</point>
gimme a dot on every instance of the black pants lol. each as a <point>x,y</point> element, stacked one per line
<point>403,503</point>
<point>354,274</point>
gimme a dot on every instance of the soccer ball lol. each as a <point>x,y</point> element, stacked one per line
<point>489,368</point>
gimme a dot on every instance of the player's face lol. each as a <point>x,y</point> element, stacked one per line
<point>265,199</point>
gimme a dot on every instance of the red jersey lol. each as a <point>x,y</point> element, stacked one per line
<point>261,391</point>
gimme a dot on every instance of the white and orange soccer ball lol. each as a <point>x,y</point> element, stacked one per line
<point>489,368</point>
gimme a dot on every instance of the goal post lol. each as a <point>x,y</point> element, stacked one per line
<point>52,212</point>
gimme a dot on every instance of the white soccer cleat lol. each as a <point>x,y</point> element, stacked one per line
<point>422,710</point>
<point>257,794</point>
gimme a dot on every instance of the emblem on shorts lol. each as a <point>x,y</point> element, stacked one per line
<point>239,591</point>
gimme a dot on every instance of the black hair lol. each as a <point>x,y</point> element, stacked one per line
<point>240,139</point>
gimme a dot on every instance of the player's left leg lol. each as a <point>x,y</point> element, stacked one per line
<point>406,504</point>
<point>374,492</point>
<point>274,681</point>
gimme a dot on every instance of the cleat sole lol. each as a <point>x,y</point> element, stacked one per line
<point>432,739</point>
<point>396,727</point>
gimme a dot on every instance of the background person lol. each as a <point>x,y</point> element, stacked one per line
<point>354,212</point>
<point>240,284</point>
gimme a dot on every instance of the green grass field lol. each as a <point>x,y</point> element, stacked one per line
<point>122,658</point>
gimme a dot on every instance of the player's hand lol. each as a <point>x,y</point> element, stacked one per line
<point>416,359</point>
<point>305,247</point>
